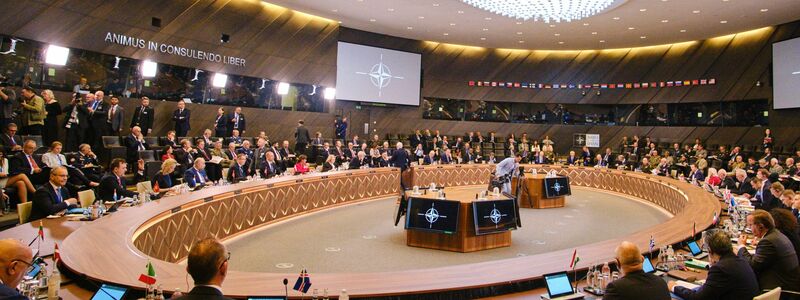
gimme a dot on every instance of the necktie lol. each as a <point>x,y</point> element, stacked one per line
<point>236,125</point>
<point>58,195</point>
<point>119,181</point>
<point>32,163</point>
<point>141,112</point>
<point>11,138</point>
<point>239,171</point>
<point>199,177</point>
<point>60,161</point>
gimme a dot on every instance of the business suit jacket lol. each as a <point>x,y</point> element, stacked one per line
<point>775,262</point>
<point>428,160</point>
<point>181,120</point>
<point>184,157</point>
<point>358,163</point>
<point>327,167</point>
<point>18,164</point>
<point>143,118</point>
<point>132,146</point>
<point>109,184</point>
<point>9,142</point>
<point>191,176</point>
<point>164,181</point>
<point>117,119</point>
<point>82,115</point>
<point>8,293</point>
<point>400,159</point>
<point>98,117</point>
<point>221,126</point>
<point>301,135</point>
<point>467,156</point>
<point>731,278</point>
<point>241,126</point>
<point>238,173</point>
<point>637,285</point>
<point>271,169</point>
<point>46,203</point>
<point>203,293</point>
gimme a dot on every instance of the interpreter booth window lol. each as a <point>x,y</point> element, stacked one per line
<point>16,68</point>
<point>442,109</point>
<point>746,113</point>
<point>527,112</point>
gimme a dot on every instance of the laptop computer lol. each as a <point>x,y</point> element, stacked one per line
<point>696,251</point>
<point>647,267</point>
<point>109,292</point>
<point>559,287</point>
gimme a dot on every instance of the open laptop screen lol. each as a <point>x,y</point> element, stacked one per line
<point>647,266</point>
<point>694,248</point>
<point>558,284</point>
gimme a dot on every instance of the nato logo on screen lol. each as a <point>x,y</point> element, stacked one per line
<point>371,74</point>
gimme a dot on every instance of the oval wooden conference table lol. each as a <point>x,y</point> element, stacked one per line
<point>116,248</point>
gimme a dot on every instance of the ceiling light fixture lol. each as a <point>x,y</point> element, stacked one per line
<point>723,22</point>
<point>544,10</point>
<point>764,10</point>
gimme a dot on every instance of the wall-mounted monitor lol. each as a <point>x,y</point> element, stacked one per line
<point>494,216</point>
<point>786,74</point>
<point>372,74</point>
<point>432,215</point>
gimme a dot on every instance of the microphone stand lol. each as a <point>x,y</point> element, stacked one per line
<point>286,287</point>
<point>517,193</point>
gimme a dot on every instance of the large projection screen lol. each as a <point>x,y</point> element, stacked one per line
<point>786,74</point>
<point>371,74</point>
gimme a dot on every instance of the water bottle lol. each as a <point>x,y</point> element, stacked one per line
<point>314,294</point>
<point>590,277</point>
<point>159,293</point>
<point>87,213</point>
<point>343,295</point>
<point>325,294</point>
<point>115,195</point>
<point>53,284</point>
<point>606,270</point>
<point>150,294</point>
<point>670,257</point>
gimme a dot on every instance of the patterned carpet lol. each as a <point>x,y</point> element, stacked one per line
<point>363,238</point>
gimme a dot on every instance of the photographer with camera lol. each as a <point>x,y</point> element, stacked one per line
<point>76,122</point>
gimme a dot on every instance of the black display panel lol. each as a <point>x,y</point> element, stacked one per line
<point>432,215</point>
<point>556,187</point>
<point>494,216</point>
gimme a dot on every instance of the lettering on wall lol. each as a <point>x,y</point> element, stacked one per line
<point>129,41</point>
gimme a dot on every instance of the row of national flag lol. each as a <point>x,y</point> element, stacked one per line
<point>628,85</point>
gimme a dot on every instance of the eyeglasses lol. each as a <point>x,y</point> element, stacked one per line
<point>29,264</point>
<point>227,258</point>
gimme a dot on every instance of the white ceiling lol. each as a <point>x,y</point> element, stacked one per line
<point>628,23</point>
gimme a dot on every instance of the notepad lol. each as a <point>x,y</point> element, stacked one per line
<point>685,284</point>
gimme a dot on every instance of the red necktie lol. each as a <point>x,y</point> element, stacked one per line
<point>119,180</point>
<point>33,163</point>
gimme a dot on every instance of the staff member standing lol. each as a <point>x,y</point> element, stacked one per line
<point>143,117</point>
<point>341,128</point>
<point>221,124</point>
<point>181,117</point>
<point>33,112</point>
<point>236,121</point>
<point>505,169</point>
<point>116,115</point>
<point>301,138</point>
<point>53,109</point>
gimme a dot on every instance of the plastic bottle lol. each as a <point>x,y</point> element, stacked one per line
<point>670,257</point>
<point>53,284</point>
<point>159,293</point>
<point>343,295</point>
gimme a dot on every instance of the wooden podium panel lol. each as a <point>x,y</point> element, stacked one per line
<point>464,239</point>
<point>532,195</point>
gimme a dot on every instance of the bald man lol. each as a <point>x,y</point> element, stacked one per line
<point>15,258</point>
<point>635,283</point>
<point>207,263</point>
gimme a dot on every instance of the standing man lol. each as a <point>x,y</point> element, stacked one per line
<point>400,157</point>
<point>301,138</point>
<point>33,112</point>
<point>98,110</point>
<point>181,118</point>
<point>506,169</point>
<point>15,258</point>
<point>236,121</point>
<point>143,117</point>
<point>76,122</point>
<point>7,97</point>
<point>116,115</point>
<point>341,128</point>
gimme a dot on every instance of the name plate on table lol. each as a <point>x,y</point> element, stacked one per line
<point>556,187</point>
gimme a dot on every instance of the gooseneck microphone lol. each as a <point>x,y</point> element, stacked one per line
<point>286,287</point>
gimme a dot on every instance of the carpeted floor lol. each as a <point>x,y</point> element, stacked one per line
<point>362,237</point>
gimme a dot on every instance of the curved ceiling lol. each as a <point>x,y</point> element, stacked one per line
<point>630,23</point>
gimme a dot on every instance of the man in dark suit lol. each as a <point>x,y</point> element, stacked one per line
<point>239,170</point>
<point>143,117</point>
<point>635,283</point>
<point>775,261</point>
<point>114,182</point>
<point>359,161</point>
<point>11,141</point>
<point>76,122</point>
<point>236,121</point>
<point>53,197</point>
<point>259,155</point>
<point>86,161</point>
<point>466,154</point>
<point>743,185</point>
<point>134,143</point>
<point>98,109</point>
<point>24,163</point>
<point>185,155</point>
<point>730,277</point>
<point>221,123</point>
<point>115,117</point>
<point>400,157</point>
<point>207,263</point>
<point>271,167</point>
<point>16,259</point>
<point>181,117</point>
<point>763,198</point>
<point>301,138</point>
<point>196,175</point>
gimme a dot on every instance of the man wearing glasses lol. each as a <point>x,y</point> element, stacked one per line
<point>14,262</point>
<point>52,197</point>
<point>208,265</point>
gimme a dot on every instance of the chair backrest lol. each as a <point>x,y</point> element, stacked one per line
<point>144,186</point>
<point>86,198</point>
<point>774,294</point>
<point>24,211</point>
<point>151,140</point>
<point>35,138</point>
<point>147,155</point>
<point>111,141</point>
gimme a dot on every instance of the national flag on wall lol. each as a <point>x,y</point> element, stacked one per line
<point>670,83</point>
<point>516,84</point>
<point>645,85</point>
<point>494,83</point>
<point>501,84</point>
<point>149,277</point>
<point>652,84</point>
<point>546,86</point>
<point>637,85</point>
<point>662,84</point>
<point>555,86</point>
<point>604,86</point>
<point>628,85</point>
<point>687,82</point>
<point>696,82</point>
<point>703,81</point>
<point>620,85</point>
<point>712,81</point>
<point>303,282</point>
<point>595,85</point>
<point>486,83</point>
<point>575,259</point>
<point>472,83</point>
<point>678,83</point>
<point>572,86</point>
<point>509,84</point>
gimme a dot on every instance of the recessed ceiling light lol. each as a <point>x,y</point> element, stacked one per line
<point>483,39</point>
<point>643,9</point>
<point>643,37</point>
<point>452,24</point>
<point>421,17</point>
<point>372,20</point>
<point>664,21</point>
<point>436,4</point>
<point>410,28</point>
<point>585,24</point>
<point>631,28</point>
<point>519,23</point>
<point>488,18</point>
<point>723,22</point>
<point>486,29</point>
<point>602,41</point>
<point>557,34</point>
<point>519,32</point>
<point>340,22</point>
<point>594,32</point>
<point>390,9</point>
<point>695,11</point>
<point>460,11</point>
<point>560,43</point>
<point>521,42</point>
<point>552,25</point>
<point>616,18</point>
<point>446,34</point>
<point>334,10</point>
<point>764,10</point>
<point>664,0</point>
<point>683,30</point>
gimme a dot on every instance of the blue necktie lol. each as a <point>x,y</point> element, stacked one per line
<point>58,195</point>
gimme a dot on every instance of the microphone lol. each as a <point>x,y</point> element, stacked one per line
<point>286,287</point>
